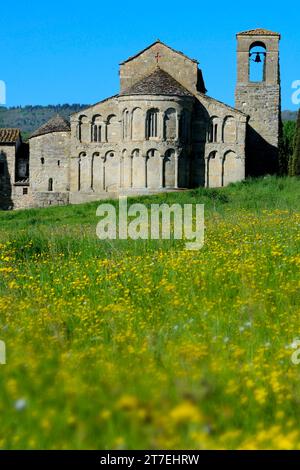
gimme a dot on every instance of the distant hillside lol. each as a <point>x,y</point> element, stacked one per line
<point>289,115</point>
<point>30,118</point>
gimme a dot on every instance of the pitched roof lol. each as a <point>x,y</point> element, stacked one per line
<point>9,136</point>
<point>82,111</point>
<point>258,32</point>
<point>158,41</point>
<point>55,124</point>
<point>158,82</point>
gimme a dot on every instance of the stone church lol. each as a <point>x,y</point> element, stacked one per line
<point>161,132</point>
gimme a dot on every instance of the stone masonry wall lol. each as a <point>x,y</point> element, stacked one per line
<point>49,159</point>
<point>7,178</point>
<point>183,69</point>
<point>261,101</point>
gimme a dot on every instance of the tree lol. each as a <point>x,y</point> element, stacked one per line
<point>295,161</point>
<point>287,132</point>
<point>283,158</point>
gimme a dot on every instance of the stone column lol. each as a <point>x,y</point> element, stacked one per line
<point>103,173</point>
<point>146,173</point>
<point>176,157</point>
<point>95,156</point>
<point>104,131</point>
<point>161,171</point>
<point>121,182</point>
<point>206,171</point>
<point>131,157</point>
<point>178,118</point>
<point>92,172</point>
<point>88,176</point>
<point>160,126</point>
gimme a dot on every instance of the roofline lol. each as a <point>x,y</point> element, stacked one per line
<point>95,104</point>
<point>157,94</point>
<point>223,104</point>
<point>251,32</point>
<point>158,41</point>
<point>45,133</point>
<point>11,142</point>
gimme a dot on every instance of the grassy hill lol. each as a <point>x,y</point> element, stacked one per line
<point>137,344</point>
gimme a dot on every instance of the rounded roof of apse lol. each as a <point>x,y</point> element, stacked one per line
<point>55,124</point>
<point>158,82</point>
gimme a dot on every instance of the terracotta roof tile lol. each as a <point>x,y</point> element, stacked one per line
<point>258,32</point>
<point>55,124</point>
<point>158,82</point>
<point>9,136</point>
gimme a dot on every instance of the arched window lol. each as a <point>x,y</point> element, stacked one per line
<point>231,168</point>
<point>213,171</point>
<point>126,121</point>
<point>152,123</point>
<point>213,130</point>
<point>50,184</point>
<point>83,129</point>
<point>81,155</point>
<point>96,129</point>
<point>113,128</point>
<point>229,130</point>
<point>138,125</point>
<point>257,62</point>
<point>170,124</point>
<point>168,180</point>
<point>42,160</point>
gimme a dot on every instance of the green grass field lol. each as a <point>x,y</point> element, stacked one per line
<point>137,344</point>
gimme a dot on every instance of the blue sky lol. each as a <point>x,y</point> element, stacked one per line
<point>68,51</point>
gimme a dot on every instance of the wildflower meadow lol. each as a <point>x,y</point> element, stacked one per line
<point>134,344</point>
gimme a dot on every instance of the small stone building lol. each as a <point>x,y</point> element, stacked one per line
<point>14,169</point>
<point>161,132</point>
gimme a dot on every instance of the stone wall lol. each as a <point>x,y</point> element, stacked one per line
<point>135,160</point>
<point>7,174</point>
<point>179,155</point>
<point>261,100</point>
<point>49,162</point>
<point>183,69</point>
<point>46,199</point>
<point>222,143</point>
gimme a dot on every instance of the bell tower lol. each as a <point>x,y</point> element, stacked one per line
<point>258,95</point>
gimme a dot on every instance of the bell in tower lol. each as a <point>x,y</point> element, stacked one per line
<point>258,95</point>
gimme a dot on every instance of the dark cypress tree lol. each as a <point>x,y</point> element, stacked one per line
<point>282,152</point>
<point>295,163</point>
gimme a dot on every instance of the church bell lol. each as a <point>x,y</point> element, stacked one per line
<point>257,58</point>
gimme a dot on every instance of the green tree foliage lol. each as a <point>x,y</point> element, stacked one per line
<point>294,168</point>
<point>282,153</point>
<point>286,147</point>
<point>30,118</point>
